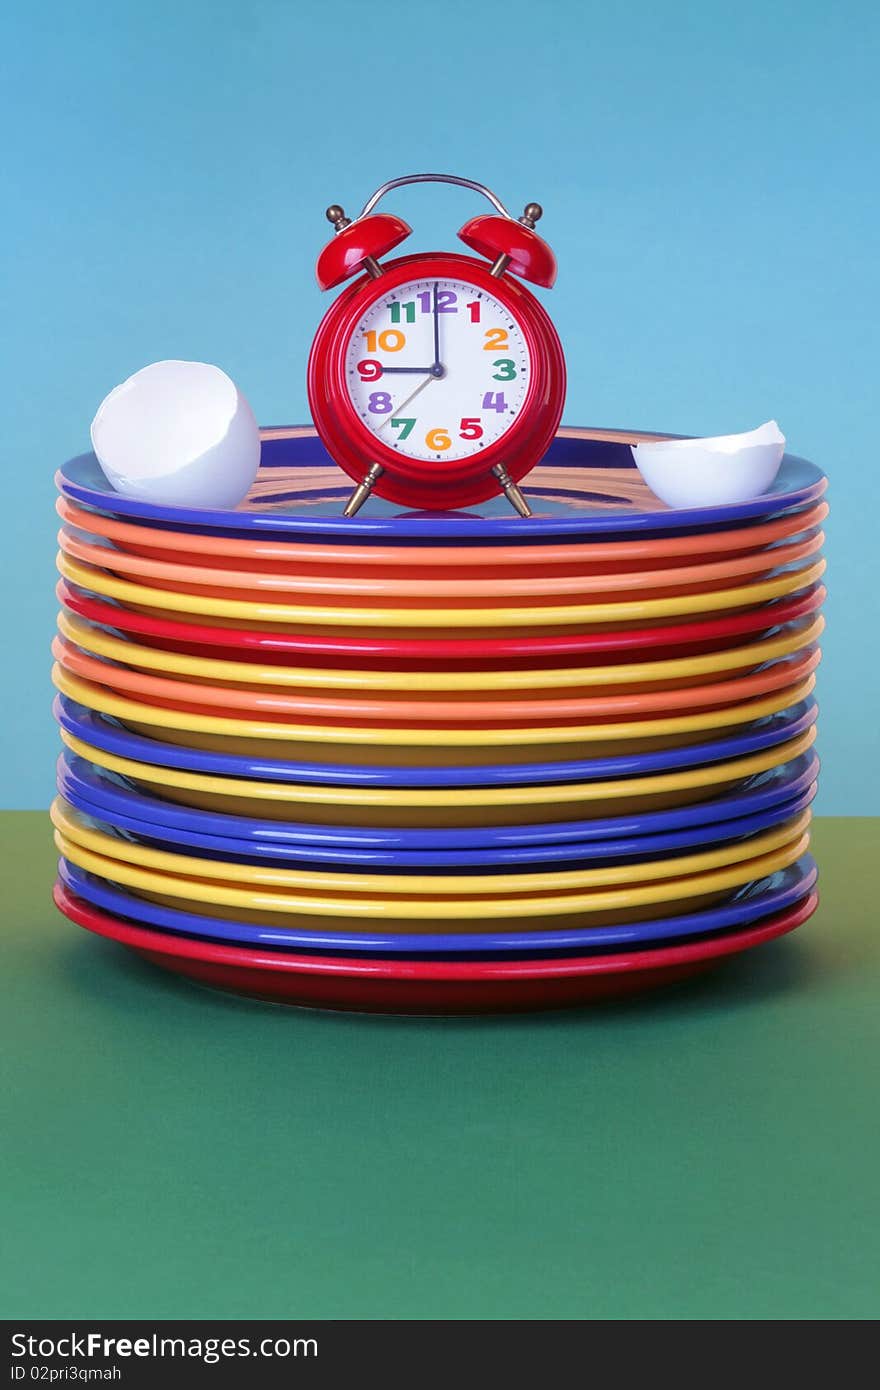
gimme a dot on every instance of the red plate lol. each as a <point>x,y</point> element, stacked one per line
<point>678,639</point>
<point>427,986</point>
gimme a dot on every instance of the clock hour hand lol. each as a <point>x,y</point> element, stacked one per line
<point>436,369</point>
<point>415,371</point>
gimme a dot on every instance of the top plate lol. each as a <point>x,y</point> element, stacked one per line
<point>259,552</point>
<point>586,484</point>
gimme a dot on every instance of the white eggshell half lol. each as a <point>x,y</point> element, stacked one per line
<point>711,472</point>
<point>178,434</point>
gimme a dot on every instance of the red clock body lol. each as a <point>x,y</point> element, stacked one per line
<point>437,371</point>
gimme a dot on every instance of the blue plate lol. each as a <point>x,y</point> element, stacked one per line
<point>104,733</point>
<point>284,502</point>
<point>96,796</point>
<point>115,796</point>
<point>758,899</point>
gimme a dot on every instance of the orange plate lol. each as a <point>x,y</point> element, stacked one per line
<point>461,560</point>
<point>409,709</point>
<point>403,588</point>
<point>374,621</point>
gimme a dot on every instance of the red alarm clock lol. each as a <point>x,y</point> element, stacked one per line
<point>436,380</point>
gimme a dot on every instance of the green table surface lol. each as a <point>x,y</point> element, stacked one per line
<point>711,1152</point>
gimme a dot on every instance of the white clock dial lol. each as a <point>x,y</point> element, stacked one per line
<point>437,369</point>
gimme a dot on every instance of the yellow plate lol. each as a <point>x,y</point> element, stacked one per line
<point>680,671</point>
<point>418,914</point>
<point>281,616</point>
<point>71,824</point>
<point>290,801</point>
<point>418,746</point>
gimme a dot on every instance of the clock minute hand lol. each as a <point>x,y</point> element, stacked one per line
<point>421,386</point>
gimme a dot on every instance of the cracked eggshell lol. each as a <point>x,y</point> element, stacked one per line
<point>178,434</point>
<point>711,472</point>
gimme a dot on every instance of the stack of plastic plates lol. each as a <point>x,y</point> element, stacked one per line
<point>438,762</point>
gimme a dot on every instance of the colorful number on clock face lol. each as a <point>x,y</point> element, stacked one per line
<point>437,369</point>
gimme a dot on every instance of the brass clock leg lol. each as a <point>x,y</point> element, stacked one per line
<point>363,490</point>
<point>511,491</point>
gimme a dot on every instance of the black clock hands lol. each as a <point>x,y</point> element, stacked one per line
<point>436,368</point>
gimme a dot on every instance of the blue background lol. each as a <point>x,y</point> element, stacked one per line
<point>708,173</point>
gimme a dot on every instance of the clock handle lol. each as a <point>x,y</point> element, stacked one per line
<point>508,242</point>
<point>434,178</point>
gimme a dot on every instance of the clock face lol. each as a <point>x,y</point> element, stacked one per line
<point>437,369</point>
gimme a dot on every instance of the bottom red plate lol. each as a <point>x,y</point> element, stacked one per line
<point>428,986</point>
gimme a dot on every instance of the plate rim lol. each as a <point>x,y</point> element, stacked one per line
<point>800,604</point>
<point>204,872</point>
<point>370,968</point>
<point>736,538</point>
<point>775,728</point>
<point>553,831</point>
<point>478,856</point>
<point>803,874</point>
<point>98,697</point>
<point>438,526</point>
